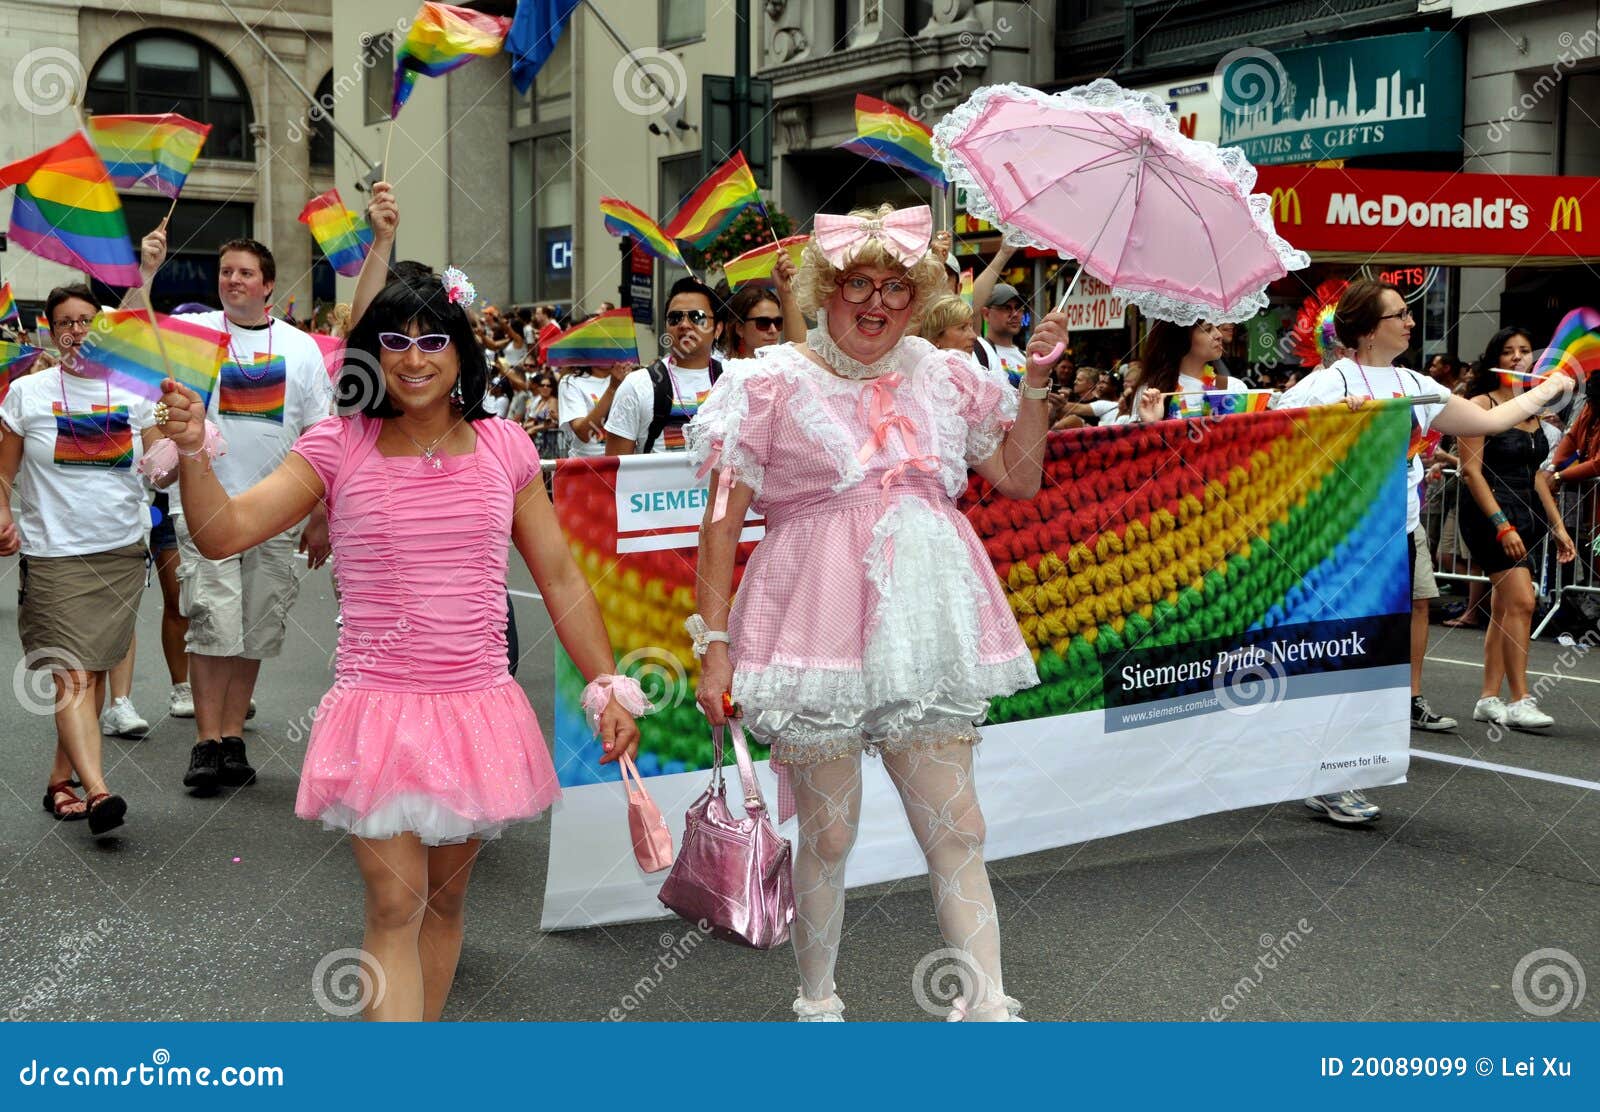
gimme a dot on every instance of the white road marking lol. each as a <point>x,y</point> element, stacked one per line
<point>1531,672</point>
<point>1487,766</point>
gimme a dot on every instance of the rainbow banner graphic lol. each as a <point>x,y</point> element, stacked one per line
<point>443,37</point>
<point>1218,622</point>
<point>884,133</point>
<point>711,208</point>
<point>255,392</point>
<point>156,152</point>
<point>16,360</point>
<point>343,236</point>
<point>623,219</point>
<point>606,339</point>
<point>1575,347</point>
<point>101,437</point>
<point>757,265</point>
<point>123,345</point>
<point>66,210</point>
<point>8,303</point>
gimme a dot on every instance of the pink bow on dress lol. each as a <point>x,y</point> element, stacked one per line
<point>906,233</point>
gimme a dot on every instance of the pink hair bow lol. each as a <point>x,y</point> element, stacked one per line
<point>906,234</point>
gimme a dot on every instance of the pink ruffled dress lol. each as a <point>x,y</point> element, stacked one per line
<point>870,616</point>
<point>424,729</point>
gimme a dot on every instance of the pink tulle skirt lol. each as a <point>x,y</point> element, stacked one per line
<point>446,766</point>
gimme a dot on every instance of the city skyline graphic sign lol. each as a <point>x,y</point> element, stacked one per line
<point>1382,95</point>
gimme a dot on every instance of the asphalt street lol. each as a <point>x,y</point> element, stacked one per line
<point>223,908</point>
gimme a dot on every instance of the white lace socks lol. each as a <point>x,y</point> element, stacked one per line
<point>827,797</point>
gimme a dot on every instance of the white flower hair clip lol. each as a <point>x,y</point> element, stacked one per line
<point>458,287</point>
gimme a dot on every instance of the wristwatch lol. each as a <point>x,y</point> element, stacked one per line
<point>1035,393</point>
<point>702,635</point>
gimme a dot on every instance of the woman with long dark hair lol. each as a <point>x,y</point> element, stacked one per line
<point>1181,362</point>
<point>425,746</point>
<point>1504,523</point>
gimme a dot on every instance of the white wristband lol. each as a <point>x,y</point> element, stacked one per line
<point>702,635</point>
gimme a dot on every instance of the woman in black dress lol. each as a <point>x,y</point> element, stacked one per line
<point>1503,523</point>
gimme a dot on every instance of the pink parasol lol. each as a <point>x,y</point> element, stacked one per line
<point>1102,174</point>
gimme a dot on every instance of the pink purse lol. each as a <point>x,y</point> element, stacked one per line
<point>732,875</point>
<point>652,841</point>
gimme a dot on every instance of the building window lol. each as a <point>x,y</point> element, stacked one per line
<point>550,98</point>
<point>156,72</point>
<point>196,230</point>
<point>1579,110</point>
<point>321,126</point>
<point>682,21</point>
<point>377,61</point>
<point>541,219</point>
<point>680,176</point>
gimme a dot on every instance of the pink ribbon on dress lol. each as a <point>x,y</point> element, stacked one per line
<point>713,462</point>
<point>905,234</point>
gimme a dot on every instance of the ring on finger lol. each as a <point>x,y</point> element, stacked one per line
<point>162,413</point>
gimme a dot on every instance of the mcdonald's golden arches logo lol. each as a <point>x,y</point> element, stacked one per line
<point>1567,212</point>
<point>1287,201</point>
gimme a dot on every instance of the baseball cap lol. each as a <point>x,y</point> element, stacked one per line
<point>951,264</point>
<point>1003,295</point>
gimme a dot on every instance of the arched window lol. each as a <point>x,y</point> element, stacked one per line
<point>321,127</point>
<point>160,71</point>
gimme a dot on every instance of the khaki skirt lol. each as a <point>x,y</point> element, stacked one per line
<point>78,612</point>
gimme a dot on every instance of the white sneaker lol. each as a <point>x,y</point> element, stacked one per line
<point>1524,714</point>
<point>830,1010</point>
<point>121,720</point>
<point>180,703</point>
<point>1491,708</point>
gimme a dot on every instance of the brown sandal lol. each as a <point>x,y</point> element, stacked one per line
<point>60,810</point>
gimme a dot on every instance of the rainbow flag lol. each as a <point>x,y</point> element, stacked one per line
<point>154,151</point>
<point>886,134</point>
<point>623,219</point>
<point>757,265</point>
<point>967,285</point>
<point>606,339</point>
<point>443,37</point>
<point>343,236</point>
<point>712,207</point>
<point>1190,404</point>
<point>1220,403</point>
<point>41,328</point>
<point>1574,348</point>
<point>123,345</point>
<point>8,303</point>
<point>67,211</point>
<point>16,360</point>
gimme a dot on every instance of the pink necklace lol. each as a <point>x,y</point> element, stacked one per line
<point>72,426</point>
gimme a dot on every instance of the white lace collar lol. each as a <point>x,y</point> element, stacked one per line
<point>819,341</point>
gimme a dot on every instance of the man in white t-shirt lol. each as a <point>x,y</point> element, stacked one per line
<point>1002,318</point>
<point>654,403</point>
<point>584,401</point>
<point>274,385</point>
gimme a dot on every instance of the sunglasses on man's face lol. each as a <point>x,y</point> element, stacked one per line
<point>766,324</point>
<point>431,344</point>
<point>697,317</point>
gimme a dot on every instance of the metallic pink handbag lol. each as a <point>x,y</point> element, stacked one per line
<point>732,874</point>
<point>652,841</point>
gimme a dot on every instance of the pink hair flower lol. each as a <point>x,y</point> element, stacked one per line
<point>458,287</point>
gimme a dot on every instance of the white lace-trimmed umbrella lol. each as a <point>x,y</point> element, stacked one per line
<point>1102,174</point>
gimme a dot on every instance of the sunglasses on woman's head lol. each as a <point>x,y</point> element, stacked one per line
<point>697,317</point>
<point>772,323</point>
<point>431,344</point>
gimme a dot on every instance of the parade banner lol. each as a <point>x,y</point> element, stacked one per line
<point>1218,608</point>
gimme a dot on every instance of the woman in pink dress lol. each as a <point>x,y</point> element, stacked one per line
<point>425,746</point>
<point>869,618</point>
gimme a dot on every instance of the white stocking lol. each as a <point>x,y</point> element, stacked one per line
<point>827,798</point>
<point>935,784</point>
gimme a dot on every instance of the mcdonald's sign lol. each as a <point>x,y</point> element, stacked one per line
<point>1568,213</point>
<point>1286,201</point>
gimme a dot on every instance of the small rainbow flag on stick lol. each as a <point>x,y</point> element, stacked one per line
<point>123,345</point>
<point>67,211</point>
<point>8,303</point>
<point>1575,348</point>
<point>343,236</point>
<point>886,134</point>
<point>16,360</point>
<point>443,37</point>
<point>967,285</point>
<point>712,207</point>
<point>153,151</point>
<point>1220,403</point>
<point>623,219</point>
<point>757,265</point>
<point>606,339</point>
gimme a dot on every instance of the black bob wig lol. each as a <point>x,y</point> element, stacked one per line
<point>403,302</point>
